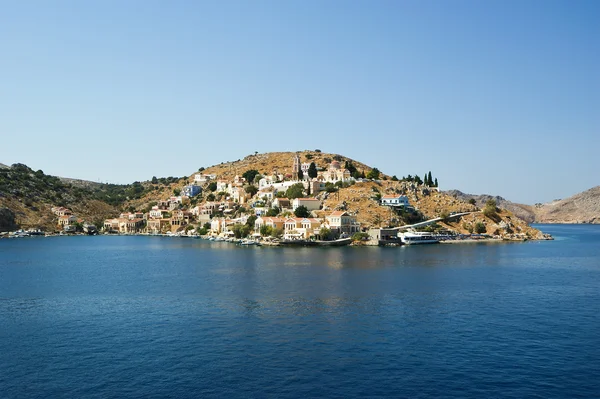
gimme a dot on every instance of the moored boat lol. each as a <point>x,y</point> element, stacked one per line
<point>414,238</point>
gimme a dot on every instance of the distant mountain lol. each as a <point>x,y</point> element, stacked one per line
<point>525,212</point>
<point>2,166</point>
<point>580,208</point>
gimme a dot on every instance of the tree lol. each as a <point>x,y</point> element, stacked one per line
<point>251,189</point>
<point>295,191</point>
<point>325,234</point>
<point>490,209</point>
<point>266,230</point>
<point>154,180</point>
<point>418,180</point>
<point>373,174</point>
<point>250,221</point>
<point>201,169</point>
<point>330,187</point>
<point>301,212</point>
<point>350,168</point>
<point>210,197</point>
<point>212,186</point>
<point>444,215</point>
<point>435,184</point>
<point>176,191</point>
<point>472,201</point>
<point>272,212</point>
<point>249,175</point>
<point>480,228</point>
<point>312,170</point>
<point>429,179</point>
<point>300,175</point>
<point>394,178</point>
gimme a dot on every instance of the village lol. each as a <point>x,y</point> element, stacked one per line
<point>297,203</point>
<point>285,206</point>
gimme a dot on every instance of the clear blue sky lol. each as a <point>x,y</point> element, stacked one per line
<point>498,97</point>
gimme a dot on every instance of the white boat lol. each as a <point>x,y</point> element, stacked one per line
<point>413,238</point>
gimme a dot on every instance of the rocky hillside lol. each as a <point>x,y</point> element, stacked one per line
<point>580,208</point>
<point>361,199</point>
<point>525,212</point>
<point>30,195</point>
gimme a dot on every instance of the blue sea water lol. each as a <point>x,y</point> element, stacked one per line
<point>155,317</point>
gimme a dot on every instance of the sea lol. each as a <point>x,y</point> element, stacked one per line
<point>167,317</point>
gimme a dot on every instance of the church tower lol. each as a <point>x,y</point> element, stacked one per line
<point>296,167</point>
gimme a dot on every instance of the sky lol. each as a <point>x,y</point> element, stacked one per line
<point>495,97</point>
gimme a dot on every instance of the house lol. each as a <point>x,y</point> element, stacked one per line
<point>222,185</point>
<point>111,225</point>
<point>282,203</point>
<point>342,222</point>
<point>395,200</point>
<point>312,204</point>
<point>180,218</point>
<point>157,213</point>
<point>267,194</point>
<point>239,195</point>
<point>156,226</point>
<point>273,222</point>
<point>218,225</point>
<point>61,211</point>
<point>209,208</point>
<point>131,215</point>
<point>304,168</point>
<point>130,225</point>
<point>191,190</point>
<point>203,178</point>
<point>66,220</point>
<point>301,228</point>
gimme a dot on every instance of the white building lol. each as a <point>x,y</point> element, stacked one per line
<point>312,204</point>
<point>395,200</point>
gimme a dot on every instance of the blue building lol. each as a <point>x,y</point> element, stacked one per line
<point>191,190</point>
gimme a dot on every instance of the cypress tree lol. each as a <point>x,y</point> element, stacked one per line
<point>312,170</point>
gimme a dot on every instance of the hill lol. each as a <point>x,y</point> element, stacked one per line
<point>30,195</point>
<point>583,207</point>
<point>361,199</point>
<point>525,212</point>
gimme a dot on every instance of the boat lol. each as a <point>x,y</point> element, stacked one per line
<point>414,238</point>
<point>312,243</point>
<point>249,242</point>
<point>335,243</point>
<point>298,243</point>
